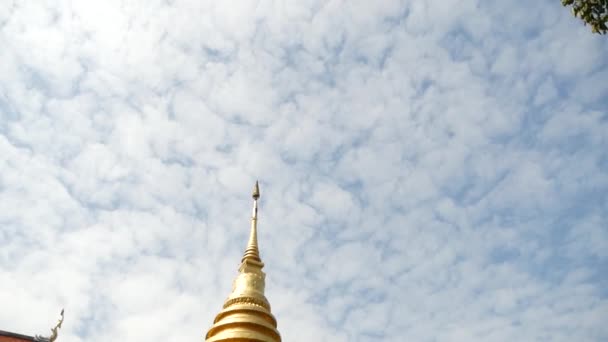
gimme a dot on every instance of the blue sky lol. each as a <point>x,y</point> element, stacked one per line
<point>430,170</point>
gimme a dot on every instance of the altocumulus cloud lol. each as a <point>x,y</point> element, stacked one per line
<point>430,170</point>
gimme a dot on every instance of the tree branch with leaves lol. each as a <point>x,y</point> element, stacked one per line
<point>592,12</point>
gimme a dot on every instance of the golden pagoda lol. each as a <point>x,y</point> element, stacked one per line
<point>246,313</point>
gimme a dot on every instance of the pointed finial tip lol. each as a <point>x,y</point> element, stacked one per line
<point>256,191</point>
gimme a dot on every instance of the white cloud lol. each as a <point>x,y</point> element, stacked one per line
<point>430,171</point>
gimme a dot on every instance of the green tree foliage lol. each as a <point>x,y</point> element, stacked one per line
<point>592,12</point>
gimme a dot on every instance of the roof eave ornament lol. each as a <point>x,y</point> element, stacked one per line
<point>54,332</point>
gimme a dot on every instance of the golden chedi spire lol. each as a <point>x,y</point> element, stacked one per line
<point>246,313</point>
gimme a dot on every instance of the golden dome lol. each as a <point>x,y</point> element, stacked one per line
<point>246,313</point>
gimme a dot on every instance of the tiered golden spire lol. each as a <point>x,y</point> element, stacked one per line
<point>246,314</point>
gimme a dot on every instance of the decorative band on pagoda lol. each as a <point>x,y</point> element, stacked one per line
<point>247,300</point>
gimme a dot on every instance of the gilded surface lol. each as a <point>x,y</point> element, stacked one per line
<point>246,312</point>
<point>246,282</point>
